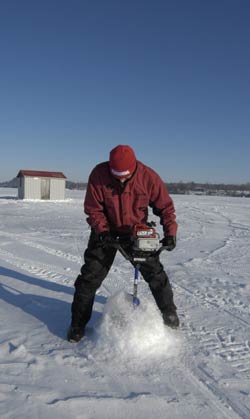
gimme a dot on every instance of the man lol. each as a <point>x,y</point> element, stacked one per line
<point>118,195</point>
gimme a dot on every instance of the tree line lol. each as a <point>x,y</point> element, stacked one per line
<point>173,187</point>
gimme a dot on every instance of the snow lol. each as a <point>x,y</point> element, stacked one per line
<point>129,364</point>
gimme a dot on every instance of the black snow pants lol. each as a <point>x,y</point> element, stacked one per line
<point>98,261</point>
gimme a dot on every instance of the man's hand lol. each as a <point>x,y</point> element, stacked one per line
<point>169,242</point>
<point>105,238</point>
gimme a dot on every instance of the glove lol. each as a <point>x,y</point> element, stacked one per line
<point>169,242</point>
<point>105,238</point>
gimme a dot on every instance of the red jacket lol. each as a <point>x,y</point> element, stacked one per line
<point>111,205</point>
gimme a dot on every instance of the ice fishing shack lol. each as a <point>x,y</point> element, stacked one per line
<point>34,184</point>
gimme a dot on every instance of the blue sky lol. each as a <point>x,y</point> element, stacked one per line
<point>170,78</point>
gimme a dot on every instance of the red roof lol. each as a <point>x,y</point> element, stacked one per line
<point>40,173</point>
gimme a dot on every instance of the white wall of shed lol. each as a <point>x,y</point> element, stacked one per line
<point>32,188</point>
<point>57,189</point>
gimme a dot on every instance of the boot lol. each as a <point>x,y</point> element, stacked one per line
<point>75,334</point>
<point>171,319</point>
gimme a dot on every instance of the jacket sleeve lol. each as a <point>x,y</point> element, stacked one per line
<point>163,206</point>
<point>93,205</point>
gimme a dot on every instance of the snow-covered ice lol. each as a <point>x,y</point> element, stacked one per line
<point>129,364</point>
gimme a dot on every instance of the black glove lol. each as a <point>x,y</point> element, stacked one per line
<point>169,242</point>
<point>105,238</point>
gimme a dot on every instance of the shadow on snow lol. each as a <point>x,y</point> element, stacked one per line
<point>9,197</point>
<point>53,312</point>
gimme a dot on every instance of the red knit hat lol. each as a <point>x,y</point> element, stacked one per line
<point>122,161</point>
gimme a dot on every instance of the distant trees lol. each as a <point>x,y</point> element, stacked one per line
<point>173,188</point>
<point>76,185</point>
<point>209,188</point>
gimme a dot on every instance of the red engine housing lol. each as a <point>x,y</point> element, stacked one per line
<point>144,231</point>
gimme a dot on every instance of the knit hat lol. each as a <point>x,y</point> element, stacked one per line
<point>122,161</point>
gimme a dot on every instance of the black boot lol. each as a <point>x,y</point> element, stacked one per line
<point>171,319</point>
<point>75,334</point>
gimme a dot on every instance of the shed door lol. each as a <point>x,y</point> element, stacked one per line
<point>45,188</point>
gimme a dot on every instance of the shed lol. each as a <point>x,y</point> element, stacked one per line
<point>34,184</point>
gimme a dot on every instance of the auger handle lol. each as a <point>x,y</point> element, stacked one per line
<point>116,243</point>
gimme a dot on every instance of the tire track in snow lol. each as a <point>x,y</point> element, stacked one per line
<point>38,246</point>
<point>203,298</point>
<point>224,343</point>
<point>233,226</point>
<point>229,349</point>
<point>221,342</point>
<point>200,370</point>
<point>233,409</point>
<point>39,269</point>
